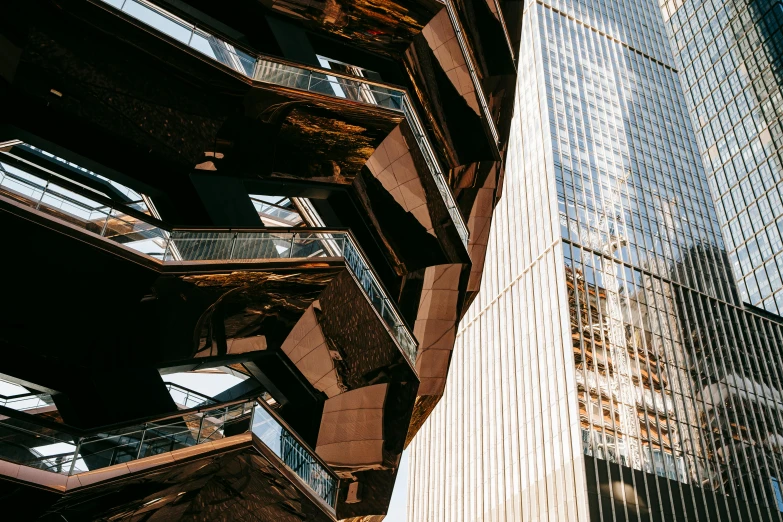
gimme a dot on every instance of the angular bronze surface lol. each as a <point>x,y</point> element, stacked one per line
<point>386,118</point>
<point>240,484</point>
<point>386,26</point>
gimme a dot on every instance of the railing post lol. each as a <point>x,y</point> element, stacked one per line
<point>75,456</point>
<point>233,246</point>
<point>291,250</point>
<point>141,442</point>
<point>168,247</point>
<point>106,222</point>
<point>43,193</point>
<point>200,427</point>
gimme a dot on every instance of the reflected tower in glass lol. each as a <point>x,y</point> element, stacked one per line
<point>608,369</point>
<point>729,58</point>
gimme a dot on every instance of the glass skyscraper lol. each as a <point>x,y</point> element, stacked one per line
<point>730,55</point>
<point>608,369</point>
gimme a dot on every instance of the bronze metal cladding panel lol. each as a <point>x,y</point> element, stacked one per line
<point>387,27</point>
<point>238,485</point>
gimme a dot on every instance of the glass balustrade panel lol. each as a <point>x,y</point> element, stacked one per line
<point>134,233</point>
<point>154,438</point>
<point>259,69</point>
<point>295,77</point>
<point>310,245</point>
<point>203,246</point>
<point>262,245</point>
<point>27,402</point>
<point>157,441</point>
<point>73,208</point>
<point>282,74</point>
<point>36,446</point>
<point>33,445</point>
<point>20,186</point>
<point>187,399</point>
<point>135,199</point>
<point>223,52</point>
<point>274,213</point>
<point>154,241</point>
<point>215,422</point>
<point>158,19</point>
<point>290,76</point>
<point>105,450</point>
<point>293,454</point>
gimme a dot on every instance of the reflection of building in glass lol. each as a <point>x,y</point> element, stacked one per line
<point>729,58</point>
<point>626,409</point>
<point>608,370</point>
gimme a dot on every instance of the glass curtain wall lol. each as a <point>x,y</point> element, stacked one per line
<point>729,54</point>
<point>609,334</point>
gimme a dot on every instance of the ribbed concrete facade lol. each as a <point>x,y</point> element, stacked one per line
<point>502,444</point>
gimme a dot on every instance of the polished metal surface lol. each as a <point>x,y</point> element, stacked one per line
<point>472,69</point>
<point>152,238</point>
<point>186,198</point>
<point>296,76</point>
<point>78,453</point>
<point>385,27</point>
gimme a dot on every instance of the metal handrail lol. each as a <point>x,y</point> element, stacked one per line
<point>287,426</point>
<point>151,237</point>
<point>457,25</point>
<point>240,47</point>
<point>129,444</point>
<point>228,244</point>
<point>81,432</point>
<point>206,399</point>
<point>437,174</point>
<point>66,183</point>
<point>294,453</point>
<point>42,398</point>
<point>267,69</point>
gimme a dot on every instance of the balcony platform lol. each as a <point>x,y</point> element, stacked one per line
<point>260,295</point>
<point>249,117</point>
<point>266,470</point>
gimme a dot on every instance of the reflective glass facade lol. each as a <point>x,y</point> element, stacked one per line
<point>608,369</point>
<point>729,57</point>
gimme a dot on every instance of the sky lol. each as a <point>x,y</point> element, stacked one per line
<point>209,384</point>
<point>398,509</point>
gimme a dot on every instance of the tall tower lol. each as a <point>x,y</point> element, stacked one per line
<point>289,199</point>
<point>730,55</point>
<point>608,369</point>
